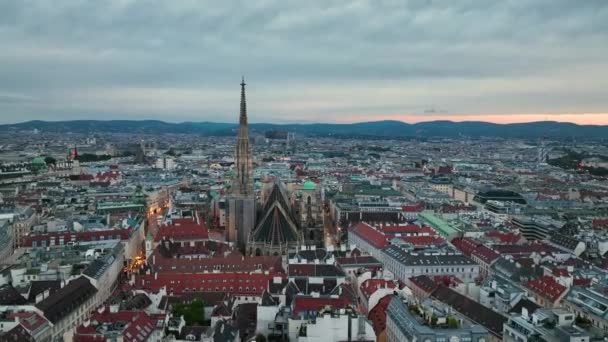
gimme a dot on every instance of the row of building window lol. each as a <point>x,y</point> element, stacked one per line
<point>217,289</point>
<point>192,281</point>
<point>43,243</point>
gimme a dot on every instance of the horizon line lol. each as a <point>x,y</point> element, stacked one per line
<point>329,122</point>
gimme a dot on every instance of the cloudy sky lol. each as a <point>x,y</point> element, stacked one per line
<point>305,61</point>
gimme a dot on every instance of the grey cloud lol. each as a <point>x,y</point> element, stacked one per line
<point>61,51</point>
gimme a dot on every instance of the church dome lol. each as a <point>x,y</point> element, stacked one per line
<point>309,185</point>
<point>38,161</point>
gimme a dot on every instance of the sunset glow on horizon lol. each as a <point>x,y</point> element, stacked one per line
<point>579,119</point>
<point>304,62</point>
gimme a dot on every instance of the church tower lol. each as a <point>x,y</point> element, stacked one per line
<point>241,202</point>
<point>243,184</point>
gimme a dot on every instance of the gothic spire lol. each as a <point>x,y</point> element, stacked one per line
<point>243,116</point>
<point>243,158</point>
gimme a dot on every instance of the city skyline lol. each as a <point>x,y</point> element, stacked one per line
<point>350,62</point>
<point>597,119</point>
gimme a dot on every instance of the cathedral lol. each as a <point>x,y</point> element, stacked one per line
<point>240,215</point>
<point>283,218</point>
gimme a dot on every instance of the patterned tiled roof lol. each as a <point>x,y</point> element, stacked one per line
<point>547,287</point>
<point>370,286</point>
<point>252,284</point>
<point>183,229</point>
<point>378,314</point>
<point>486,254</point>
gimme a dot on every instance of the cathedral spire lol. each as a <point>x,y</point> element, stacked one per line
<point>243,116</point>
<point>243,159</point>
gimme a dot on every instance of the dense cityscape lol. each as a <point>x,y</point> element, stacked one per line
<point>276,236</point>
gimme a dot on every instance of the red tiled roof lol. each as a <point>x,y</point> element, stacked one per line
<point>85,177</point>
<point>309,303</point>
<point>600,222</point>
<point>584,282</point>
<point>88,336</point>
<point>369,234</point>
<point>230,263</point>
<point>107,176</point>
<point>560,272</point>
<point>446,280</point>
<point>465,245</point>
<point>139,326</point>
<point>183,229</point>
<point>407,229</point>
<point>252,284</point>
<point>486,254</point>
<point>370,286</point>
<point>423,240</point>
<point>547,287</point>
<point>29,320</point>
<point>504,237</point>
<point>414,208</point>
<point>525,249</point>
<point>378,314</point>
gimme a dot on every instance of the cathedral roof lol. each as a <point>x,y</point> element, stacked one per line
<point>277,224</point>
<point>277,195</point>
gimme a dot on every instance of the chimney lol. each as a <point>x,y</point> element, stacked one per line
<point>350,325</point>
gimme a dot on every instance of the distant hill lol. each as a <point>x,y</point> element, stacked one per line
<point>389,129</point>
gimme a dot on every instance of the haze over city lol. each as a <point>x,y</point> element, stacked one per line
<point>308,61</point>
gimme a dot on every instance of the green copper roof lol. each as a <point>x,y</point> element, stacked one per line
<point>309,185</point>
<point>440,225</point>
<point>39,160</point>
<point>258,184</point>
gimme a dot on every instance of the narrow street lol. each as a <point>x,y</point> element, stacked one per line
<point>329,230</point>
